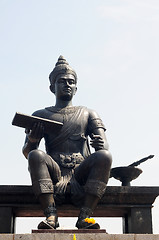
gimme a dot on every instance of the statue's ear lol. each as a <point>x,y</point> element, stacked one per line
<point>75,91</point>
<point>52,88</point>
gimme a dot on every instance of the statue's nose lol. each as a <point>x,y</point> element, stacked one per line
<point>67,83</point>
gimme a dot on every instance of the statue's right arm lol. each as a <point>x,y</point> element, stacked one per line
<point>33,138</point>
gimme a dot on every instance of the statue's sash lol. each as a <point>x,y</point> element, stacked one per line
<point>68,128</point>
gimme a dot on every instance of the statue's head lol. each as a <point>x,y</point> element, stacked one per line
<point>62,67</point>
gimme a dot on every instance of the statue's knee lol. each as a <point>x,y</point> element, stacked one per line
<point>36,157</point>
<point>104,158</point>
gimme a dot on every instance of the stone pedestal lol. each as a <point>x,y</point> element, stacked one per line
<point>133,204</point>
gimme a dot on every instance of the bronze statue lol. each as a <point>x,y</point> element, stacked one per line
<point>68,172</point>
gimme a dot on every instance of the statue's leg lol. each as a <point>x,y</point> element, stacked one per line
<point>44,173</point>
<point>93,174</point>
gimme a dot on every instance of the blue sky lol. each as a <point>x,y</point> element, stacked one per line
<point>112,45</point>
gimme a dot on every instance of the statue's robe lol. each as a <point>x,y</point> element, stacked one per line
<point>74,129</point>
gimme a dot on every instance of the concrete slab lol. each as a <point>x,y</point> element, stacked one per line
<point>6,237</point>
<point>122,236</point>
<point>25,237</point>
<point>61,236</point>
<point>146,237</point>
<point>79,236</point>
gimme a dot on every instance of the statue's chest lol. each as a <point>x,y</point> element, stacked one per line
<point>56,117</point>
<point>79,124</point>
<point>61,117</point>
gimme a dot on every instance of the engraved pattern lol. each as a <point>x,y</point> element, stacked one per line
<point>43,186</point>
<point>96,123</point>
<point>50,210</point>
<point>66,110</point>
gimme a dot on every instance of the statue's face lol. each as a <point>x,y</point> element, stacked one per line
<point>65,87</point>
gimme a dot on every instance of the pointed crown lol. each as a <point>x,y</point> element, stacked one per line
<point>61,67</point>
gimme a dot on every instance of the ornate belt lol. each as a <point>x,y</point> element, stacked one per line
<point>68,160</point>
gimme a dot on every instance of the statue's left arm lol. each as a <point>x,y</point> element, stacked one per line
<point>97,132</point>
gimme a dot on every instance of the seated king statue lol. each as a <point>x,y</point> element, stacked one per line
<point>68,172</point>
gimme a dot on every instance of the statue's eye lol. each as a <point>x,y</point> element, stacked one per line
<point>71,82</point>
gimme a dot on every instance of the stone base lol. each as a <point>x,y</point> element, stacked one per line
<point>79,236</point>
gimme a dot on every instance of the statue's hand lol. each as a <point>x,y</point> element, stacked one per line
<point>97,142</point>
<point>36,134</point>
